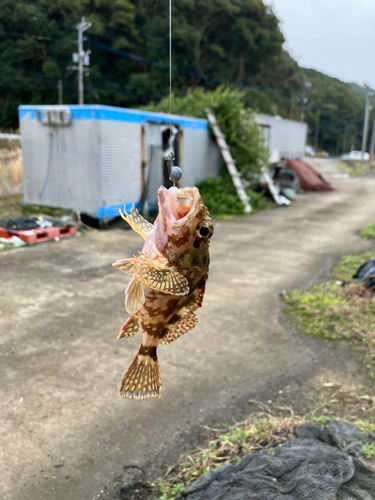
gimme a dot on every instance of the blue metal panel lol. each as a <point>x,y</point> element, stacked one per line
<point>96,112</point>
<point>113,210</point>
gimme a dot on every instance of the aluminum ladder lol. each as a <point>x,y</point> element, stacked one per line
<point>230,163</point>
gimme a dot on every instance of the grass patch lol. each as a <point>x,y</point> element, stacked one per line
<point>261,431</point>
<point>354,168</point>
<point>368,231</point>
<point>41,209</point>
<point>339,313</point>
<point>6,246</point>
<point>368,450</point>
<point>344,269</point>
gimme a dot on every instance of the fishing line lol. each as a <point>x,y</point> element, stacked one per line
<point>170,63</point>
<point>175,173</point>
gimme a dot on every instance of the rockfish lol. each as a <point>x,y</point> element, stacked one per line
<point>173,266</point>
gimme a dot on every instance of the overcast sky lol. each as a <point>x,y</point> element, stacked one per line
<point>336,37</point>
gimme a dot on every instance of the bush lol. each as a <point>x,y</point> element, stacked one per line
<point>221,199</point>
<point>237,123</point>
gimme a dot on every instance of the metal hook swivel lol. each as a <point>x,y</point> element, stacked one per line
<point>175,172</point>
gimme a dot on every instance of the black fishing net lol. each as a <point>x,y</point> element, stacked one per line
<point>19,224</point>
<point>323,462</point>
<point>28,223</point>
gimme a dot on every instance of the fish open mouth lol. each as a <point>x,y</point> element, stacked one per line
<point>178,204</point>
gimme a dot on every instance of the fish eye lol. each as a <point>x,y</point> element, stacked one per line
<point>205,230</point>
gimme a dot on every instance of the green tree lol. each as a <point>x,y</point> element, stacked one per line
<point>242,135</point>
<point>229,40</point>
<point>37,39</point>
<point>236,122</point>
<point>339,111</point>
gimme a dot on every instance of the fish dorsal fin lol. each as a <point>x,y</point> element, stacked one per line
<point>155,273</point>
<point>176,330</point>
<point>137,222</point>
<point>130,328</point>
<point>134,296</point>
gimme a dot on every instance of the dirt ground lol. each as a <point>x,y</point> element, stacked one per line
<point>65,434</point>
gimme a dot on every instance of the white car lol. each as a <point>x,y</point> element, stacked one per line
<point>309,151</point>
<point>356,155</point>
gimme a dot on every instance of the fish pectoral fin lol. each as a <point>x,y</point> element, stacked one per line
<point>137,222</point>
<point>176,330</point>
<point>125,265</point>
<point>134,296</point>
<point>129,328</point>
<point>159,275</point>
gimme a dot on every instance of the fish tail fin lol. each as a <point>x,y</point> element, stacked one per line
<point>142,378</point>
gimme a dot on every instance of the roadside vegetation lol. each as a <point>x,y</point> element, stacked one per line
<point>328,310</point>
<point>262,431</point>
<point>243,137</point>
<point>221,198</point>
<point>338,309</point>
<point>354,167</point>
<point>368,231</point>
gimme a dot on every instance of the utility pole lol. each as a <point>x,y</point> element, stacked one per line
<point>365,121</point>
<point>317,126</point>
<point>372,146</point>
<point>82,58</point>
<point>305,86</point>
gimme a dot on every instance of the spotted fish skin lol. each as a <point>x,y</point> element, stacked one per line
<point>168,282</point>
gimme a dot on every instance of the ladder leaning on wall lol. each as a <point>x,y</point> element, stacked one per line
<point>230,163</point>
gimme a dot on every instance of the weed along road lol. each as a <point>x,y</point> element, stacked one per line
<point>66,434</point>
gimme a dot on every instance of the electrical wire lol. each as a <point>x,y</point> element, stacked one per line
<point>96,95</point>
<point>186,72</point>
<point>171,68</point>
<point>49,162</point>
<point>35,37</point>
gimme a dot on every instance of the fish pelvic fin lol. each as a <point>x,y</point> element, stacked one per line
<point>142,378</point>
<point>134,296</point>
<point>177,329</point>
<point>129,328</point>
<point>137,222</point>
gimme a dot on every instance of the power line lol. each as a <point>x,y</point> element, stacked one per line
<point>35,37</point>
<point>183,71</point>
<point>118,87</point>
<point>158,64</point>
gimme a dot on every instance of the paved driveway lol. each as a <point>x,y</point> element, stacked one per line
<point>62,305</point>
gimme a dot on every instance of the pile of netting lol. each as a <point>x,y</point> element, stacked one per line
<point>323,462</point>
<point>19,223</point>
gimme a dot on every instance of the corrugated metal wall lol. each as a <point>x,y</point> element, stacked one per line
<point>120,162</point>
<point>201,157</point>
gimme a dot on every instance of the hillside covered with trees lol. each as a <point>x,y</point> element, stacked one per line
<point>232,42</point>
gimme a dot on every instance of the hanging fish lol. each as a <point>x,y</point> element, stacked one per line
<point>173,266</point>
